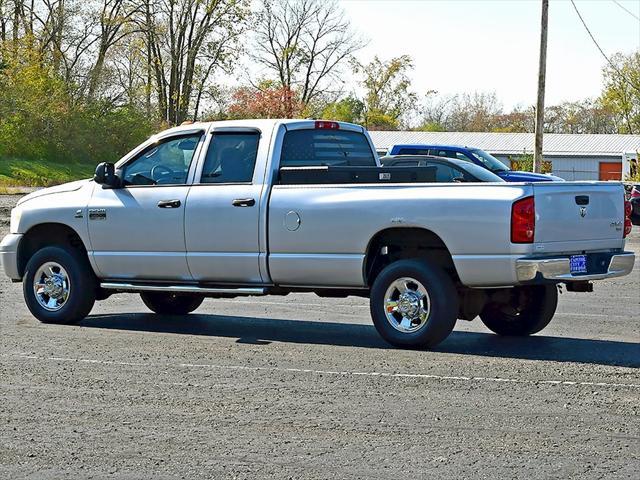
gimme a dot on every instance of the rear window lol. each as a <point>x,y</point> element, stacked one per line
<point>304,148</point>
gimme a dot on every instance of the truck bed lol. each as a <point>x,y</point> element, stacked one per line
<point>336,222</point>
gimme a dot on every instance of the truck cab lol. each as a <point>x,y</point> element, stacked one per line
<point>473,155</point>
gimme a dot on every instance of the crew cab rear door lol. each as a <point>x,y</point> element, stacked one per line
<point>223,208</point>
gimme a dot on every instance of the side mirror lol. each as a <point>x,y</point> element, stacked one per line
<point>106,175</point>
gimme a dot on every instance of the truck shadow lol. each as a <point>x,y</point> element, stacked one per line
<point>264,331</point>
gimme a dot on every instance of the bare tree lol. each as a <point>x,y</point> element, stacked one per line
<point>61,31</point>
<point>189,39</point>
<point>467,112</point>
<point>4,20</point>
<point>304,43</point>
<point>114,18</point>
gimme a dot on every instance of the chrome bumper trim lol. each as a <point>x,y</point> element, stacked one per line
<point>130,287</point>
<point>558,269</point>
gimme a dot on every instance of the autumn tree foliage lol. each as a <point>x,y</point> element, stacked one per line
<point>265,101</point>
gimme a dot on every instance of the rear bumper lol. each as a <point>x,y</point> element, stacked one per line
<point>535,269</point>
<point>9,255</point>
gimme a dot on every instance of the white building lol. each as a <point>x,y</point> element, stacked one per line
<point>573,156</point>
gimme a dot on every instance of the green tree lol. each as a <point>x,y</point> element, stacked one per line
<point>622,91</point>
<point>524,163</point>
<point>388,96</point>
<point>349,109</point>
<point>34,106</point>
<point>40,120</point>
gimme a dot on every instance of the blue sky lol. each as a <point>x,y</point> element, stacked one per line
<point>492,45</point>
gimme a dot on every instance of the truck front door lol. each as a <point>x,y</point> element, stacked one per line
<point>137,232</point>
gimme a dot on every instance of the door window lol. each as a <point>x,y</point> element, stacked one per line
<point>164,163</point>
<point>408,163</point>
<point>413,151</point>
<point>444,153</point>
<point>462,156</point>
<point>231,158</point>
<point>445,173</point>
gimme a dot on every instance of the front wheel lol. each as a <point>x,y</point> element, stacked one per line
<point>521,311</point>
<point>171,303</point>
<point>414,304</point>
<point>59,286</point>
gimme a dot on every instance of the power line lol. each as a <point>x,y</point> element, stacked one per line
<point>626,9</point>
<point>611,64</point>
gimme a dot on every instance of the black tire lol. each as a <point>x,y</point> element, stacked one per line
<point>81,282</point>
<point>443,299</point>
<point>171,303</point>
<point>527,310</point>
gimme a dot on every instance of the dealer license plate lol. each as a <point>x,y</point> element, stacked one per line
<point>578,264</point>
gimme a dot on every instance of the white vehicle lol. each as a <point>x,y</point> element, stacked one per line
<point>261,207</point>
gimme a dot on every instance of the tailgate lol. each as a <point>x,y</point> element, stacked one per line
<point>584,215</point>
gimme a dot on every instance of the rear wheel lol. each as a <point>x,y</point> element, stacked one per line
<point>413,304</point>
<point>59,286</point>
<point>521,310</point>
<point>171,303</point>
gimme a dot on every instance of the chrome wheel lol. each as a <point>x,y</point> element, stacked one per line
<point>407,305</point>
<point>51,286</point>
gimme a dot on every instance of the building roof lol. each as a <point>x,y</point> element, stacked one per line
<point>516,143</point>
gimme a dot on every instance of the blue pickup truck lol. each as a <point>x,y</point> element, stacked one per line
<point>474,155</point>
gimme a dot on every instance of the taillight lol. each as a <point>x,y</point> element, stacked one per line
<point>322,125</point>
<point>523,221</point>
<point>628,208</point>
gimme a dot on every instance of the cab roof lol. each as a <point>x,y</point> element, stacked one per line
<point>261,124</point>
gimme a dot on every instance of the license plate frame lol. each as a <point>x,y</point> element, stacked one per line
<point>578,264</point>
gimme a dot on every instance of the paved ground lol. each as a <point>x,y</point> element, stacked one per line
<point>302,387</point>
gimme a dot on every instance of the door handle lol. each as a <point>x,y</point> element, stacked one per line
<point>243,202</point>
<point>169,204</point>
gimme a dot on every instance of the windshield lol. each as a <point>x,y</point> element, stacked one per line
<point>489,161</point>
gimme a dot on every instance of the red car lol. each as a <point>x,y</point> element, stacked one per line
<point>634,198</point>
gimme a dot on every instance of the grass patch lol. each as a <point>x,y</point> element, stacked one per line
<point>40,173</point>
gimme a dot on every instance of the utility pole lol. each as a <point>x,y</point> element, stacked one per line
<point>542,73</point>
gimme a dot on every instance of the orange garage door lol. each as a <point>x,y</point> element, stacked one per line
<point>610,171</point>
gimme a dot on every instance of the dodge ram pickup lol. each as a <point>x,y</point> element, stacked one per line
<point>258,207</point>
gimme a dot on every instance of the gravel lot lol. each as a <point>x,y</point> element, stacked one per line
<point>302,387</point>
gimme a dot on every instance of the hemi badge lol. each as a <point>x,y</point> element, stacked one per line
<point>97,214</point>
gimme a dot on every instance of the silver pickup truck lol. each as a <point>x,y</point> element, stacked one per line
<point>261,207</point>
